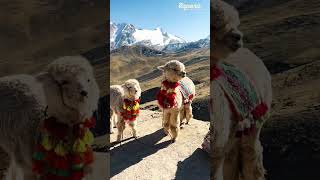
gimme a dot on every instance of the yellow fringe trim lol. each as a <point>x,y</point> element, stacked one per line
<point>46,143</point>
<point>60,150</point>
<point>79,146</point>
<point>88,137</point>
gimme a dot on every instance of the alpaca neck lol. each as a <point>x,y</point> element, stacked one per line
<point>213,61</point>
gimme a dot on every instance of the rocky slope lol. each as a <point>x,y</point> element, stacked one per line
<point>284,35</point>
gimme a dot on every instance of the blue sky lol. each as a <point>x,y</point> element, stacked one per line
<point>190,25</point>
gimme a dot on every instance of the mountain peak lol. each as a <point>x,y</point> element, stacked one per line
<point>127,34</point>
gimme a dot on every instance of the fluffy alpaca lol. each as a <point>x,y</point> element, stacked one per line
<point>176,108</point>
<point>131,91</point>
<point>233,157</point>
<point>67,91</point>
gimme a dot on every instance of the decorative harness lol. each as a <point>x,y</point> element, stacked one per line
<point>131,109</point>
<point>167,94</point>
<point>244,102</point>
<point>63,152</point>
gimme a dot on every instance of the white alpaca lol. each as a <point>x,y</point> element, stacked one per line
<point>178,107</point>
<point>119,94</point>
<point>234,157</point>
<point>67,91</point>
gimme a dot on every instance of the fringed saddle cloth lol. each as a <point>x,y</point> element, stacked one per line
<point>246,105</point>
<point>186,89</point>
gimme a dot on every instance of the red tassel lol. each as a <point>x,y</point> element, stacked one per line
<point>61,163</point>
<point>90,123</point>
<point>76,159</point>
<point>170,85</point>
<point>162,96</point>
<point>57,129</point>
<point>55,177</point>
<point>259,111</point>
<point>37,167</point>
<point>39,148</point>
<point>78,131</point>
<point>57,161</point>
<point>50,156</point>
<point>88,156</point>
<point>215,72</point>
<point>77,175</point>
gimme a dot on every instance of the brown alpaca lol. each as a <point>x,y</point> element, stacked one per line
<point>233,157</point>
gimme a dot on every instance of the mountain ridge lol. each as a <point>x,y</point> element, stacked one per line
<point>125,34</point>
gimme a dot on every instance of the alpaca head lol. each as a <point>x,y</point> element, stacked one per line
<point>71,89</point>
<point>132,89</point>
<point>227,37</point>
<point>173,71</point>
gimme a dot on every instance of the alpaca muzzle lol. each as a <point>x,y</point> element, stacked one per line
<point>183,74</point>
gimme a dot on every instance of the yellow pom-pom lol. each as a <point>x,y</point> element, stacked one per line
<point>128,108</point>
<point>60,149</point>
<point>88,137</point>
<point>79,146</point>
<point>136,107</point>
<point>46,143</point>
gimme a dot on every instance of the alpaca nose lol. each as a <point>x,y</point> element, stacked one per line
<point>84,93</point>
<point>236,36</point>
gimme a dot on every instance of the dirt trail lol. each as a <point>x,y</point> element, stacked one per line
<point>153,156</point>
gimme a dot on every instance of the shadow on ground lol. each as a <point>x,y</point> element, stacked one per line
<point>194,166</point>
<point>133,152</point>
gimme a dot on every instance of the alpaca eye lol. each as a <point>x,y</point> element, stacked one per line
<point>88,80</point>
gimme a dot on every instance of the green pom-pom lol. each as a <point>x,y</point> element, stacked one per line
<point>59,172</point>
<point>77,167</point>
<point>38,156</point>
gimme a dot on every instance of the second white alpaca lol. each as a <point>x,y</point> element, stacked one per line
<point>124,104</point>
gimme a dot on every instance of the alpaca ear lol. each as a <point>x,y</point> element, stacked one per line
<point>161,68</point>
<point>43,76</point>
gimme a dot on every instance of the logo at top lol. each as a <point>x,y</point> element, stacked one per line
<point>189,6</point>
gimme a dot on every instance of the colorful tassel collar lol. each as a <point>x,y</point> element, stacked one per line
<point>244,102</point>
<point>215,72</point>
<point>167,94</point>
<point>130,109</point>
<point>63,152</point>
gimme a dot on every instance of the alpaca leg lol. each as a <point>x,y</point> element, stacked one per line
<point>166,122</point>
<point>182,116</point>
<point>121,126</point>
<point>174,125</point>
<point>23,159</point>
<point>252,159</point>
<point>217,163</point>
<point>11,173</point>
<point>112,124</point>
<point>27,174</point>
<point>218,148</point>
<point>189,115</point>
<point>133,126</point>
<point>231,169</point>
<point>115,117</point>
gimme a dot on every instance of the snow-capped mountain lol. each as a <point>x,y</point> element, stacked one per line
<point>202,43</point>
<point>124,34</point>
